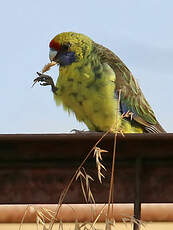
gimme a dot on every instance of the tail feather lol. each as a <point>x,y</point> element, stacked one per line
<point>154,129</point>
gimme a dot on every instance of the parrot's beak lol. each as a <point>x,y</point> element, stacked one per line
<point>53,55</point>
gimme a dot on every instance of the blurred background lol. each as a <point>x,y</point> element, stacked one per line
<point>139,32</point>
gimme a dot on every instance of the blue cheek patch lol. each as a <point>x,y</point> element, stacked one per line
<point>67,58</point>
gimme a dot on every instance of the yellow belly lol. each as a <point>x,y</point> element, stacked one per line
<point>92,100</point>
<point>93,104</point>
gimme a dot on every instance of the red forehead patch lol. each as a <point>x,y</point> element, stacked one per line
<point>54,45</point>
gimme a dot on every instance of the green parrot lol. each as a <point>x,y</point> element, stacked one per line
<point>97,87</point>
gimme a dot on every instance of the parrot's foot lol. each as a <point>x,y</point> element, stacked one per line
<point>47,80</point>
<point>76,131</point>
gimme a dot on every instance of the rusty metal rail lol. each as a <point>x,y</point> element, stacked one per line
<point>35,168</point>
<point>69,213</point>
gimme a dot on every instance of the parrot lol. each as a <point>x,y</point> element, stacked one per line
<point>97,87</point>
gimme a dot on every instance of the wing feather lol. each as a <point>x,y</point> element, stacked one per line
<point>132,98</point>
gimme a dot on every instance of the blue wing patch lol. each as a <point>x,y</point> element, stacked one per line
<point>124,108</point>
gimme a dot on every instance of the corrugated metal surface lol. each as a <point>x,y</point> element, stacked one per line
<point>35,168</point>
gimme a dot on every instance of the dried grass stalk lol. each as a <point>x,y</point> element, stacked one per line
<point>60,225</point>
<point>77,226</point>
<point>133,220</point>
<point>85,185</point>
<point>109,224</point>
<point>98,155</point>
<point>48,66</point>
<point>127,115</point>
<point>63,194</point>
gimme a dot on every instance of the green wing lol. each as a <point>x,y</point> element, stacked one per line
<point>132,98</point>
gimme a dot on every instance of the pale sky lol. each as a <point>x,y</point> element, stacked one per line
<point>139,32</point>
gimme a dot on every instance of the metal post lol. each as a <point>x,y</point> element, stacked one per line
<point>137,203</point>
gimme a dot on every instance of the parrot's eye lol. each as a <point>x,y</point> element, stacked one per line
<point>65,47</point>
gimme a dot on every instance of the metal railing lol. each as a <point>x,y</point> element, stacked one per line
<point>36,168</point>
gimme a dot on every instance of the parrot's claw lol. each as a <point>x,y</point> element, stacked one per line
<point>46,80</point>
<point>44,84</point>
<point>76,131</point>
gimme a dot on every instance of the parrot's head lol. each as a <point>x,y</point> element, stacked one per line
<point>69,47</point>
